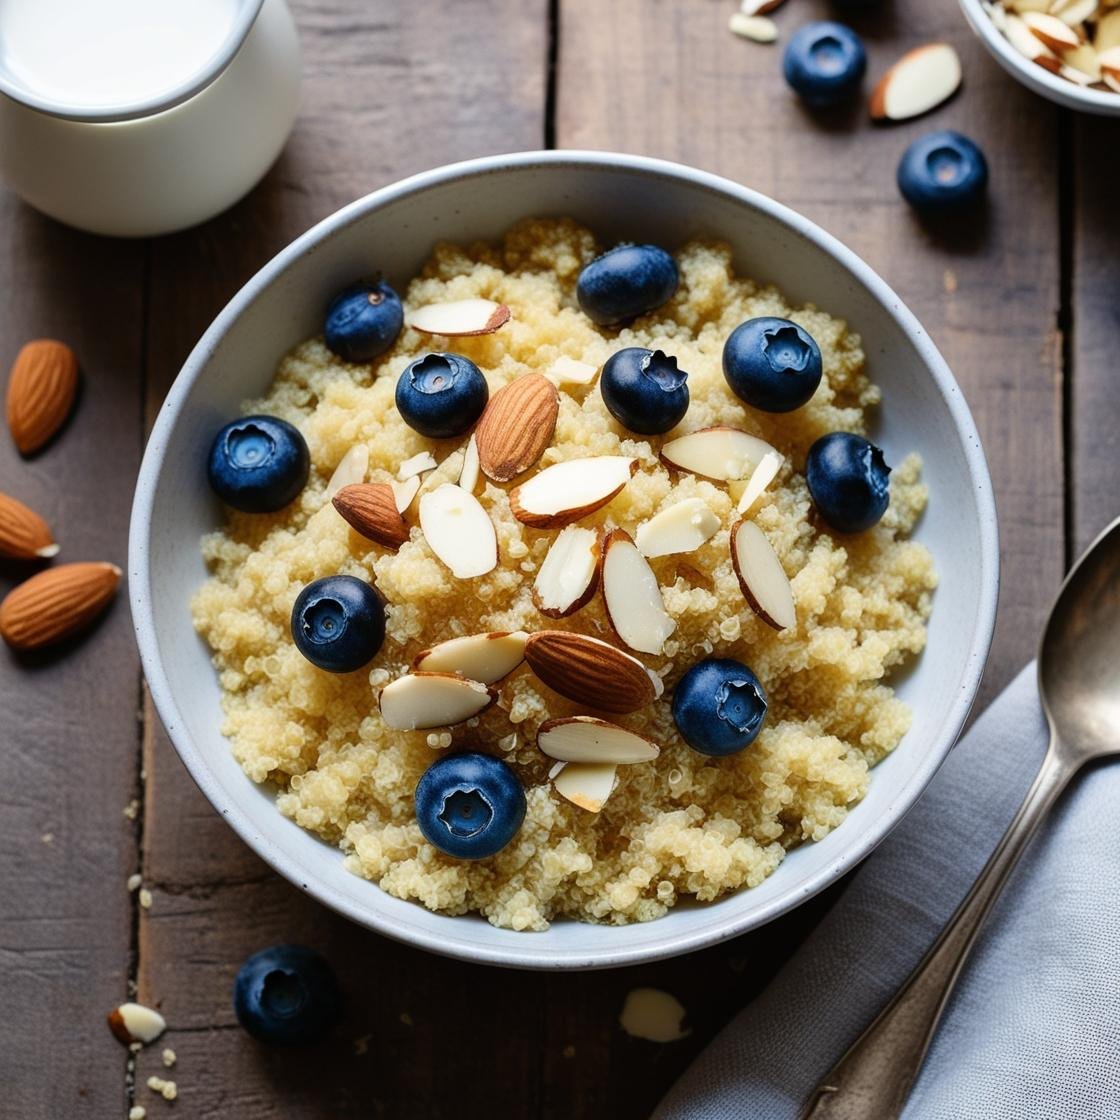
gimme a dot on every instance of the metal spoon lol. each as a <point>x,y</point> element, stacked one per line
<point>1079,682</point>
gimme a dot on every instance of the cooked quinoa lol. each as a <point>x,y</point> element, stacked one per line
<point>684,824</point>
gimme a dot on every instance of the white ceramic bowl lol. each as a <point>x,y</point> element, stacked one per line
<point>620,197</point>
<point>1034,77</point>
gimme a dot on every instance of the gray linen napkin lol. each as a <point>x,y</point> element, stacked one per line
<point>1033,1029</point>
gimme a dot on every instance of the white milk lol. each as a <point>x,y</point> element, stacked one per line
<point>110,52</point>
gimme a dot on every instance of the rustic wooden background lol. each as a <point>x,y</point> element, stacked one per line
<point>1023,300</point>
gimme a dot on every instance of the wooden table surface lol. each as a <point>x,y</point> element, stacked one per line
<point>1023,300</point>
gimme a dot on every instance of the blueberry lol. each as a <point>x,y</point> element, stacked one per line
<point>772,364</point>
<point>849,481</point>
<point>625,282</point>
<point>441,395</point>
<point>644,390</point>
<point>469,805</point>
<point>824,63</point>
<point>338,623</point>
<point>286,995</point>
<point>258,464</point>
<point>719,706</point>
<point>363,321</point>
<point>942,172</point>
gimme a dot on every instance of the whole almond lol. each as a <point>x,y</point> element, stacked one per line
<point>590,671</point>
<point>56,603</point>
<point>41,392</point>
<point>24,535</point>
<point>517,426</point>
<point>370,508</point>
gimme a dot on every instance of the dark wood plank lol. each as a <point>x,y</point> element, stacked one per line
<point>987,290</point>
<point>69,744</point>
<point>1095,314</point>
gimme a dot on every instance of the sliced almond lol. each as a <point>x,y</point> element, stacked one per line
<point>418,701</point>
<point>370,508</point>
<point>586,739</point>
<point>42,389</point>
<point>567,491</point>
<point>590,671</point>
<point>133,1022</point>
<point>516,426</point>
<point>1106,34</point>
<point>568,371</point>
<point>1085,60</point>
<point>759,7</point>
<point>1050,31</point>
<point>459,531</point>
<point>1109,62</point>
<point>351,470</point>
<point>632,596</point>
<point>1074,12</point>
<point>405,492</point>
<point>1113,83</point>
<point>682,527</point>
<point>1020,36</point>
<point>460,317</point>
<point>654,1015</point>
<point>586,784</point>
<point>24,535</point>
<point>56,604</point>
<point>481,657</point>
<point>569,575</point>
<point>918,82</point>
<point>468,476</point>
<point>1021,6</point>
<point>761,576</point>
<point>421,462</point>
<point>1072,74</point>
<point>757,28</point>
<point>720,453</point>
<point>761,477</point>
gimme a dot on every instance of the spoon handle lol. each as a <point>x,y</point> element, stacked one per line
<point>874,1078</point>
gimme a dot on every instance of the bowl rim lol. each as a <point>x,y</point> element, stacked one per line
<point>1034,77</point>
<point>525,953</point>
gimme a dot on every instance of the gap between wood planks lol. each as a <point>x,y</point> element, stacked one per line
<point>1067,158</point>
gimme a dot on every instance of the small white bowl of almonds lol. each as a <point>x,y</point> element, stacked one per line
<point>1066,50</point>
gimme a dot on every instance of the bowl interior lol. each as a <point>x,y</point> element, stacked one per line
<point>620,198</point>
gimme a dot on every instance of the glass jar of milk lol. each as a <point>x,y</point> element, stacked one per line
<point>139,117</point>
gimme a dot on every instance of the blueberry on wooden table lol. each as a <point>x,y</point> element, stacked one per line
<point>338,623</point>
<point>644,390</point>
<point>469,805</point>
<point>625,282</point>
<point>719,706</point>
<point>286,995</point>
<point>824,63</point>
<point>942,172</point>
<point>849,481</point>
<point>363,321</point>
<point>441,395</point>
<point>772,364</point>
<point>258,464</point>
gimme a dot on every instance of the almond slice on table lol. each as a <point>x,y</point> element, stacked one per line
<point>460,318</point>
<point>516,426</point>
<point>459,531</point>
<point>762,578</point>
<point>567,491</point>
<point>351,470</point>
<point>569,575</point>
<point>918,82</point>
<point>682,527</point>
<point>405,492</point>
<point>370,508</point>
<point>757,28</point>
<point>469,475</point>
<point>418,701</point>
<point>24,535</point>
<point>761,477</point>
<point>1050,31</point>
<point>56,603</point>
<point>591,671</point>
<point>759,7</point>
<point>481,657</point>
<point>587,739</point>
<point>133,1022</point>
<point>586,784</point>
<point>419,463</point>
<point>42,388</point>
<point>721,454</point>
<point>569,371</point>
<point>632,596</point>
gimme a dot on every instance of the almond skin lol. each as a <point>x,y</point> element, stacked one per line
<point>370,508</point>
<point>517,426</point>
<point>24,535</point>
<point>589,671</point>
<point>56,603</point>
<point>41,392</point>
